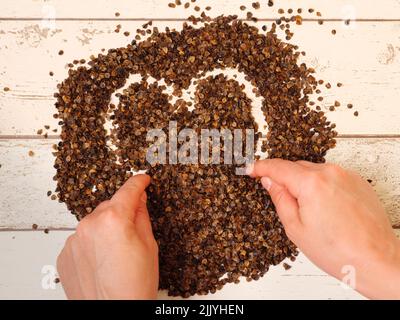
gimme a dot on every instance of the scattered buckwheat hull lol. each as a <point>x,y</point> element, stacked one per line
<point>208,221</point>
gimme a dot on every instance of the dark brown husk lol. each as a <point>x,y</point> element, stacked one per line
<point>211,225</point>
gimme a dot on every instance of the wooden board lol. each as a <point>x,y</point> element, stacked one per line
<point>365,56</point>
<point>365,59</point>
<point>134,9</point>
<point>26,180</point>
<point>25,254</point>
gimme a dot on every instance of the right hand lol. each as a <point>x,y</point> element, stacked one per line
<point>337,220</point>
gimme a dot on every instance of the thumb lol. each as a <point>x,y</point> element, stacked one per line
<point>286,205</point>
<point>142,219</point>
<point>128,197</point>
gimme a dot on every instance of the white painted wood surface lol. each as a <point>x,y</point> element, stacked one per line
<point>26,180</point>
<point>365,59</point>
<point>365,56</point>
<point>24,254</point>
<point>100,9</point>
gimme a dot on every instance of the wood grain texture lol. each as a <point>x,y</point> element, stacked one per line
<point>365,56</point>
<point>338,9</point>
<point>366,59</point>
<point>25,253</point>
<point>26,180</point>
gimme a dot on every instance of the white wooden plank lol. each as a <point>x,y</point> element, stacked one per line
<point>365,59</point>
<point>24,254</point>
<point>25,180</point>
<point>343,9</point>
<point>369,67</point>
<point>375,159</point>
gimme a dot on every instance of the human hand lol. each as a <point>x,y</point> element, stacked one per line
<point>113,253</point>
<point>336,220</point>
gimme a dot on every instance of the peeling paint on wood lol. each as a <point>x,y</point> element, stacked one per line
<point>372,87</point>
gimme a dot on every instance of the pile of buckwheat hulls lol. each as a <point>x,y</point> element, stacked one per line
<point>212,226</point>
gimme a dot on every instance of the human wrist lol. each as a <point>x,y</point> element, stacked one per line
<point>380,277</point>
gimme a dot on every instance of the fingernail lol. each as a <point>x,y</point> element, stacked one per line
<point>250,169</point>
<point>266,183</point>
<point>143,197</point>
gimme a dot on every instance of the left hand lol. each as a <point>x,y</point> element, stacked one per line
<point>113,253</point>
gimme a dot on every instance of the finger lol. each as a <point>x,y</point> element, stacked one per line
<point>286,173</point>
<point>142,220</point>
<point>128,196</point>
<point>286,206</point>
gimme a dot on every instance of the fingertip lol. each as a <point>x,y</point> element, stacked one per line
<point>256,169</point>
<point>129,195</point>
<point>250,169</point>
<point>141,179</point>
<point>261,168</point>
<point>266,183</point>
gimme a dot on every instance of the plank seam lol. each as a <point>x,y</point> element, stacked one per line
<point>28,137</point>
<point>340,136</point>
<point>37,230</point>
<point>185,19</point>
<point>368,136</point>
<point>395,227</point>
